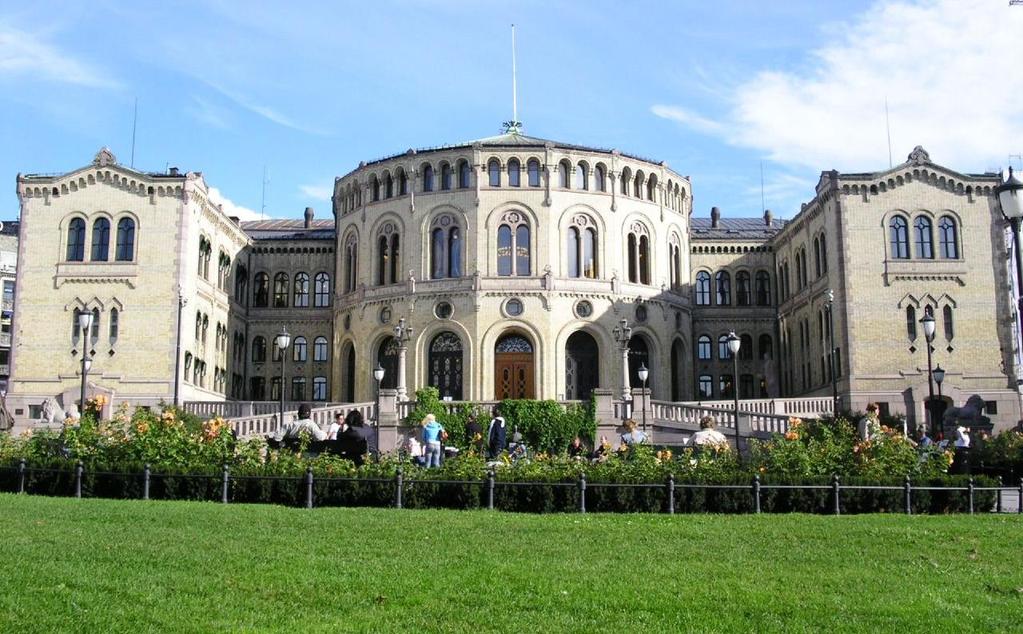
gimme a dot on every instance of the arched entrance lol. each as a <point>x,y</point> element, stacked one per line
<point>582,366</point>
<point>348,374</point>
<point>387,358</point>
<point>639,354</point>
<point>513,368</point>
<point>445,372</point>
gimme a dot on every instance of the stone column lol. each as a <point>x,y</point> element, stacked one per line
<point>402,391</point>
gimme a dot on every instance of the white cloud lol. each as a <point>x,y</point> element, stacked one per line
<point>947,67</point>
<point>687,118</point>
<point>23,53</point>
<point>231,209</point>
<point>207,113</point>
<point>317,192</point>
<point>266,112</point>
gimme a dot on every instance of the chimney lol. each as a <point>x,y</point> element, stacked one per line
<point>715,217</point>
<point>308,217</point>
<point>173,171</point>
<point>768,217</point>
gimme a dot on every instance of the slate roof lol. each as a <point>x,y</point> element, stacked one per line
<point>288,229</point>
<point>735,229</point>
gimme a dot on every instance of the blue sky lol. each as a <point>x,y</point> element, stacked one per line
<point>308,89</point>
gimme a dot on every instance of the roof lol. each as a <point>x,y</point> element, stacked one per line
<point>735,228</point>
<point>288,229</point>
<point>515,140</point>
<point>9,227</point>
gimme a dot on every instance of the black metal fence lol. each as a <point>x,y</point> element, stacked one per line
<point>487,493</point>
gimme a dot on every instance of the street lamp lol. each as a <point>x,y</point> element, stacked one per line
<point>84,324</point>
<point>939,376</point>
<point>734,343</point>
<point>1010,198</point>
<point>623,334</point>
<point>831,352</point>
<point>283,340</point>
<point>177,353</point>
<point>378,375</point>
<point>643,374</point>
<point>928,322</point>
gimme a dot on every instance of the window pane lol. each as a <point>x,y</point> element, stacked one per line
<point>454,252</point>
<point>590,253</point>
<point>100,240</point>
<point>534,173</point>
<point>522,250</point>
<point>514,173</point>
<point>572,251</point>
<point>437,255</point>
<point>504,250</point>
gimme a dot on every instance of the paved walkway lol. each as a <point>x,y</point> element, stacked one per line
<point>1010,501</point>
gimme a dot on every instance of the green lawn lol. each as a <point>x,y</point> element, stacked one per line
<point>100,565</point>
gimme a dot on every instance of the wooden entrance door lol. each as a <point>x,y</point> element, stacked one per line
<point>513,373</point>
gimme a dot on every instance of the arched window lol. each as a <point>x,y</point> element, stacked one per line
<point>675,251</point>
<point>320,388</point>
<point>514,173</point>
<point>241,283</point>
<point>513,248</point>
<point>766,348</point>
<point>301,290</point>
<point>581,177</point>
<point>898,238</point>
<point>922,238</point>
<point>281,290</point>
<point>351,263</point>
<point>581,249</point>
<point>427,178</point>
<point>374,185</point>
<point>625,181</point>
<point>637,185</point>
<point>723,282</point>
<point>600,178</point>
<point>125,240</point>
<point>763,282</point>
<point>388,186</point>
<point>320,349</point>
<point>703,348</point>
<point>115,324</point>
<point>911,323</point>
<point>387,358</point>
<point>494,171</point>
<point>817,257</point>
<point>745,348</point>
<point>388,255</point>
<point>946,314</point>
<point>446,176</point>
<point>76,240</point>
<point>444,369</point>
<point>638,247</point>
<point>724,353</point>
<point>261,290</point>
<point>321,289</point>
<point>947,239</point>
<point>299,349</point>
<point>824,253</point>
<point>100,240</point>
<point>445,248</point>
<point>564,174</point>
<point>533,172</point>
<point>706,386</point>
<point>402,183</point>
<point>703,288</point>
<point>651,188</point>
<point>743,291</point>
<point>464,174</point>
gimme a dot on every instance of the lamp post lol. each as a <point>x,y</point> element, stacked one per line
<point>283,340</point>
<point>378,375</point>
<point>734,343</point>
<point>939,376</point>
<point>623,334</point>
<point>84,324</point>
<point>1010,198</point>
<point>177,357</point>
<point>831,352</point>
<point>928,322</point>
<point>643,374</point>
<point>402,334</point>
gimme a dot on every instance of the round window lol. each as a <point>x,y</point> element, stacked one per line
<point>385,315</point>
<point>583,309</point>
<point>641,313</point>
<point>443,310</point>
<point>513,307</point>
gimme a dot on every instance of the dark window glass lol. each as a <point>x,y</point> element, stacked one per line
<point>125,240</point>
<point>100,240</point>
<point>76,240</point>
<point>898,237</point>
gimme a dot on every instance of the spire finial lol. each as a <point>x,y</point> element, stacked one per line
<point>514,126</point>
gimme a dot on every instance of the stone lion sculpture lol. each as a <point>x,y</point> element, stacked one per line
<point>52,413</point>
<point>970,415</point>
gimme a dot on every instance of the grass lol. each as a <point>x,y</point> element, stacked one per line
<point>104,565</point>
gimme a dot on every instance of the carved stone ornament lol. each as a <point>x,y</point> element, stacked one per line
<point>919,156</point>
<point>104,157</point>
<point>581,220</point>
<point>512,217</point>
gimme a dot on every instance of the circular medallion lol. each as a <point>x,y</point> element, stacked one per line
<point>513,307</point>
<point>641,313</point>
<point>385,315</point>
<point>583,309</point>
<point>443,310</point>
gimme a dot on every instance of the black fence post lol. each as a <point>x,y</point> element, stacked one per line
<point>224,483</point>
<point>145,481</point>
<point>835,489</point>
<point>78,479</point>
<point>490,490</point>
<point>998,499</point>
<point>756,493</point>
<point>21,476</point>
<point>582,492</point>
<point>671,494</point>
<point>309,487</point>
<point>398,485</point>
<point>1019,500</point>
<point>969,491</point>
<point>907,489</point>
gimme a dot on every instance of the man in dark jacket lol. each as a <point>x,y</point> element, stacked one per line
<point>497,437</point>
<point>352,443</point>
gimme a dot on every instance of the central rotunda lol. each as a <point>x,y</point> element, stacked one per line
<point>504,268</point>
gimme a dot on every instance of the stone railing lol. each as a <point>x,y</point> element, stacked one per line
<point>237,409</point>
<point>810,407</point>
<point>267,423</point>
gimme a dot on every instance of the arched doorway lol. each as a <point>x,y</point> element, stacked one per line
<point>513,367</point>
<point>639,354</point>
<point>387,358</point>
<point>348,374</point>
<point>445,372</point>
<point>582,366</point>
<point>678,356</point>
